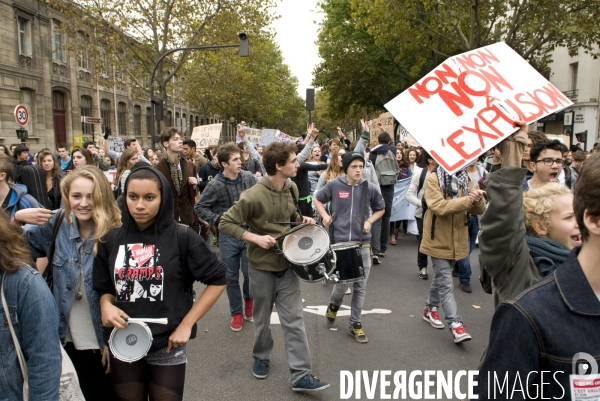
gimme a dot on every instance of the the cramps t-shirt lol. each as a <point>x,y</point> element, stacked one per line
<point>138,275</point>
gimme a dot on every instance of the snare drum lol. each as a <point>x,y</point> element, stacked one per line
<point>349,263</point>
<point>131,343</point>
<point>307,250</point>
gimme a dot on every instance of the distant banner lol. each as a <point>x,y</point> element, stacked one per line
<point>207,136</point>
<point>401,209</point>
<point>264,137</point>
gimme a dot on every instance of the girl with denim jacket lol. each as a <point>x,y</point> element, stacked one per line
<point>90,211</point>
<point>32,312</point>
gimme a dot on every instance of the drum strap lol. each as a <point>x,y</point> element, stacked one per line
<point>295,201</point>
<point>363,207</point>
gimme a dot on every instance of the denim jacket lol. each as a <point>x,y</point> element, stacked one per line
<point>70,257</point>
<point>32,313</point>
<point>541,330</point>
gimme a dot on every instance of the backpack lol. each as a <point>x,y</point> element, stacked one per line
<point>386,168</point>
<point>34,179</point>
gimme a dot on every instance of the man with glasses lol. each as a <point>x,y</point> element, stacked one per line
<point>546,161</point>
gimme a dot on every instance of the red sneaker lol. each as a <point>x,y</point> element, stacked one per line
<point>248,305</point>
<point>458,333</point>
<point>392,240</point>
<point>236,322</point>
<point>431,316</point>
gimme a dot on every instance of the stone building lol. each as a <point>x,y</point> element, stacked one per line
<point>578,78</point>
<point>58,87</point>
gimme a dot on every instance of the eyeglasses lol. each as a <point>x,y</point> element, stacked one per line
<point>550,162</point>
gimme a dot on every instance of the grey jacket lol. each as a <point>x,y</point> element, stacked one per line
<point>220,194</point>
<point>345,203</point>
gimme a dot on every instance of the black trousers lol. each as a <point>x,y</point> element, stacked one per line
<point>94,383</point>
<point>421,257</point>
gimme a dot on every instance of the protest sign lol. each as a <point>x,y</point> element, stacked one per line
<point>116,144</point>
<point>470,103</point>
<point>401,209</point>
<point>207,136</point>
<point>388,126</point>
<point>264,137</point>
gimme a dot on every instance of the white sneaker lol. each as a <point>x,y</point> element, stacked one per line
<point>431,316</point>
<point>348,291</point>
<point>458,333</point>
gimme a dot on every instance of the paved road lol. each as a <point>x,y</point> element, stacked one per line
<point>220,361</point>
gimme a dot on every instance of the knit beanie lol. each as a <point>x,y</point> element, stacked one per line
<point>347,158</point>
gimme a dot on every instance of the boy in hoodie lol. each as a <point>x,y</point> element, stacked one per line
<point>21,207</point>
<point>219,195</point>
<point>271,280</point>
<point>345,194</point>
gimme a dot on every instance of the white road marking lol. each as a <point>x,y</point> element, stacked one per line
<point>322,310</point>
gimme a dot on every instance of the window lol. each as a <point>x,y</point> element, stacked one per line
<point>24,37</point>
<point>149,120</point>
<point>83,57</point>
<point>169,120</point>
<point>105,112</point>
<point>122,118</point>
<point>192,123</point>
<point>102,63</point>
<point>86,111</point>
<point>58,51</point>
<point>137,121</point>
<point>574,68</point>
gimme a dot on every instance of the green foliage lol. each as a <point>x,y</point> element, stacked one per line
<point>374,49</point>
<point>259,89</point>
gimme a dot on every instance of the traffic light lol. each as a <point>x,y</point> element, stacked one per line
<point>158,109</point>
<point>581,136</point>
<point>310,99</point>
<point>244,51</point>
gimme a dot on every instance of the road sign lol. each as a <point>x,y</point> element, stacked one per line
<point>91,120</point>
<point>21,115</point>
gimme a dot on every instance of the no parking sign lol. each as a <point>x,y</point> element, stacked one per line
<point>21,115</point>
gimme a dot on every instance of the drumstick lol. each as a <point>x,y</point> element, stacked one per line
<point>283,222</point>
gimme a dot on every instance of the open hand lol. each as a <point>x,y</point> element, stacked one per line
<point>365,125</point>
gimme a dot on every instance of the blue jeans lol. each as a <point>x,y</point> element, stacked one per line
<point>233,253</point>
<point>464,265</point>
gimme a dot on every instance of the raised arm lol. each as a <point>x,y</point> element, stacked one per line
<point>311,135</point>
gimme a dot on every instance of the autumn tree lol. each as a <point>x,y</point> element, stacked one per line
<point>259,89</point>
<point>138,32</point>
<point>374,49</point>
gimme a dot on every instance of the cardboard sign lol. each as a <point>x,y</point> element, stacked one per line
<point>470,103</point>
<point>388,126</point>
<point>264,137</point>
<point>206,136</point>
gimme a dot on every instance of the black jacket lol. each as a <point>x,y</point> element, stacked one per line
<point>144,271</point>
<point>206,173</point>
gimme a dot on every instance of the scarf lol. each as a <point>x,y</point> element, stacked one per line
<point>450,184</point>
<point>175,171</point>
<point>547,254</point>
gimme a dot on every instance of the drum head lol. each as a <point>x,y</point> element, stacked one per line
<point>131,343</point>
<point>345,245</point>
<point>306,245</point>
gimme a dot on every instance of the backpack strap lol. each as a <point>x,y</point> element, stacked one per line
<point>363,207</point>
<point>295,201</point>
<point>48,273</point>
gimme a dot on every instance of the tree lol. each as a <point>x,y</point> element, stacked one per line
<point>259,89</point>
<point>136,33</point>
<point>383,47</point>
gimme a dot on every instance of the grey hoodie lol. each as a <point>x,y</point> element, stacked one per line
<point>345,203</point>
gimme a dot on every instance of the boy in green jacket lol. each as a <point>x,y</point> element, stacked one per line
<point>271,281</point>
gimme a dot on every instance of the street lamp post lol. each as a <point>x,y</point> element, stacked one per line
<point>243,45</point>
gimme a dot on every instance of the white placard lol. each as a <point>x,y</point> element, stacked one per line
<point>470,102</point>
<point>207,136</point>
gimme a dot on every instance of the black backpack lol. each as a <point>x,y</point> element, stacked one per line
<point>34,179</point>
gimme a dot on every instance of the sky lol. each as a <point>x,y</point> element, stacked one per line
<point>296,34</point>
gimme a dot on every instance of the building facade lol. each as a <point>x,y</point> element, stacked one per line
<point>59,87</point>
<point>578,78</point>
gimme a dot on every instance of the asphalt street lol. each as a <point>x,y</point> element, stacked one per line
<point>220,360</point>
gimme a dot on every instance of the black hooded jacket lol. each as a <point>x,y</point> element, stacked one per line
<point>143,270</point>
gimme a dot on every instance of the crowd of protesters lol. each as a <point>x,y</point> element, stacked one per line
<point>81,217</point>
